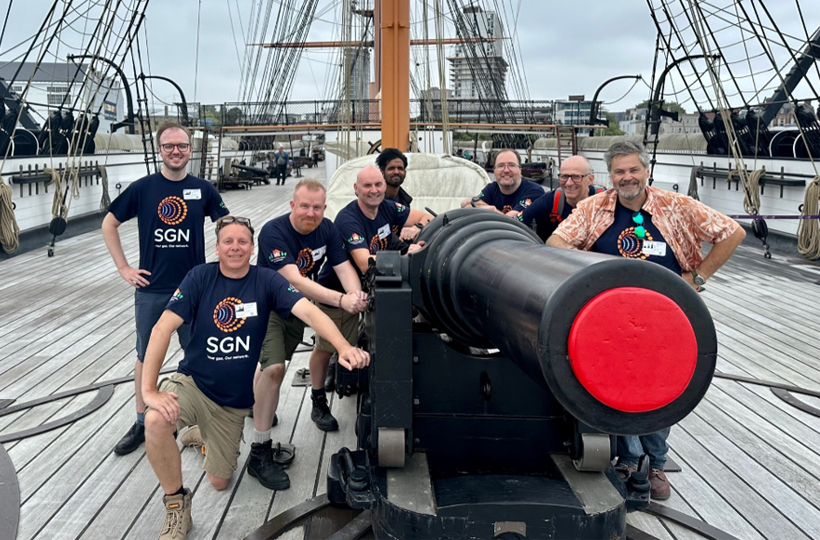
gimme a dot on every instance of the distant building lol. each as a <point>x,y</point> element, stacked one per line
<point>575,112</point>
<point>633,122</point>
<point>57,86</point>
<point>478,69</point>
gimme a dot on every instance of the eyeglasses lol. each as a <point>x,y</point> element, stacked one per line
<point>510,166</point>
<point>183,147</point>
<point>233,219</point>
<point>574,177</point>
<point>637,219</point>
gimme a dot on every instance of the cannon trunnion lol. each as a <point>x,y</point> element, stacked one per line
<point>493,414</point>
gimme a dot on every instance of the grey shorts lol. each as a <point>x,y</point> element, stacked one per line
<point>281,340</point>
<point>148,308</point>
<point>347,323</point>
<point>221,427</point>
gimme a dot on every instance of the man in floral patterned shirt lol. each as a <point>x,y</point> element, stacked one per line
<point>637,221</point>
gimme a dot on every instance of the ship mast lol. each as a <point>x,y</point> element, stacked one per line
<point>392,40</point>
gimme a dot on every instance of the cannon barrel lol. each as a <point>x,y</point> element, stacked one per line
<point>626,347</point>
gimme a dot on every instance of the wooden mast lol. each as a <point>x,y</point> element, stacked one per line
<point>393,23</point>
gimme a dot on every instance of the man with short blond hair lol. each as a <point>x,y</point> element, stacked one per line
<point>296,245</point>
<point>510,192</point>
<point>171,207</point>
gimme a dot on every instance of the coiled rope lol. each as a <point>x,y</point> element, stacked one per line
<point>9,231</point>
<point>106,198</point>
<point>808,230</point>
<point>693,182</point>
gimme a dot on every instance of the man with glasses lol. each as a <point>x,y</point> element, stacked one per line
<point>510,191</point>
<point>170,207</point>
<point>227,304</point>
<point>641,222</point>
<point>548,211</point>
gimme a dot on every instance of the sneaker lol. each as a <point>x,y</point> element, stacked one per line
<point>321,414</point>
<point>177,516</point>
<point>262,467</point>
<point>660,490</point>
<point>131,441</point>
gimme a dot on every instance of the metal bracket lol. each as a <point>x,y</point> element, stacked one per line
<point>301,377</point>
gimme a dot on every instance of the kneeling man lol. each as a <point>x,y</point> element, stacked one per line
<point>227,305</point>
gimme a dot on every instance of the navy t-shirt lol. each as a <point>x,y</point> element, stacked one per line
<point>229,318</point>
<point>541,209</point>
<point>524,196</point>
<point>170,219</point>
<point>360,232</point>
<point>280,244</point>
<point>620,239</point>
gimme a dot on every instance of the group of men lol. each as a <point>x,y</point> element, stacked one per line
<point>238,324</point>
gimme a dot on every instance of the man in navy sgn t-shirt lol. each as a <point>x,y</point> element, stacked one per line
<point>296,245</point>
<point>170,207</point>
<point>575,179</point>
<point>227,305</point>
<point>510,191</point>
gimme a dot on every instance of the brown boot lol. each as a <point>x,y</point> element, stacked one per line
<point>177,516</point>
<point>660,489</point>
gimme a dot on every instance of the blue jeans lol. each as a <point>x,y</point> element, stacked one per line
<point>653,445</point>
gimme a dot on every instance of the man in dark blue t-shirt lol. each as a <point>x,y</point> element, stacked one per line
<point>296,245</point>
<point>170,207</point>
<point>227,305</point>
<point>510,191</point>
<point>548,211</point>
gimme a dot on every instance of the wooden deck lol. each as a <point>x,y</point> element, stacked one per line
<point>751,462</point>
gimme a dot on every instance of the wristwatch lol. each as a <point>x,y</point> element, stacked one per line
<point>698,279</point>
<point>475,200</point>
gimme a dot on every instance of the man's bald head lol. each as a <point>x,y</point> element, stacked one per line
<point>575,178</point>
<point>370,187</point>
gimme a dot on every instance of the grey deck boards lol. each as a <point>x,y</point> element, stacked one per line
<point>751,463</point>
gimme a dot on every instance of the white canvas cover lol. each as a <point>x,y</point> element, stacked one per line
<point>438,182</point>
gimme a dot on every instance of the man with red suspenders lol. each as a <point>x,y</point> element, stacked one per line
<point>576,185</point>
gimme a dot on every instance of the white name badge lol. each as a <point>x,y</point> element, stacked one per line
<point>384,231</point>
<point>654,248</point>
<point>192,194</point>
<point>243,311</point>
<point>318,253</point>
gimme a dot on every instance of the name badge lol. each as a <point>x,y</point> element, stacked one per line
<point>384,231</point>
<point>318,253</point>
<point>192,194</point>
<point>243,311</point>
<point>654,248</point>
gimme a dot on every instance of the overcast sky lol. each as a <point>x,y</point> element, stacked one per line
<point>566,47</point>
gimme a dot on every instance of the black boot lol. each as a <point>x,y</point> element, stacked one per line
<point>262,467</point>
<point>131,441</point>
<point>321,414</point>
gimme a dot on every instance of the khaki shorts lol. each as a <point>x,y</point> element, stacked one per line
<point>221,426</point>
<point>281,340</point>
<point>347,323</point>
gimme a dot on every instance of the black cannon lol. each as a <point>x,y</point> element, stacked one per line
<point>493,414</point>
